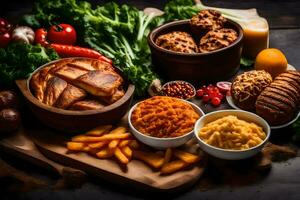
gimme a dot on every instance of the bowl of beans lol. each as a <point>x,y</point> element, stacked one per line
<point>232,134</point>
<point>179,89</point>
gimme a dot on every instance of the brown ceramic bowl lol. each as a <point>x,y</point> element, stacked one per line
<point>197,68</point>
<point>76,121</point>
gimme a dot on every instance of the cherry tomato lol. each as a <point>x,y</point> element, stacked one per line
<point>62,34</point>
<point>206,98</point>
<point>200,93</point>
<point>215,89</point>
<point>4,39</point>
<point>219,95</point>
<point>210,87</point>
<point>215,101</point>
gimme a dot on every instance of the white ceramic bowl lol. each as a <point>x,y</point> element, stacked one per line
<point>162,143</point>
<point>226,153</point>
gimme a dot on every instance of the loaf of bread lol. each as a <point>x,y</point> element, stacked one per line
<point>247,86</point>
<point>279,102</point>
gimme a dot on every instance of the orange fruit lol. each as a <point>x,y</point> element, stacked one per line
<point>272,61</point>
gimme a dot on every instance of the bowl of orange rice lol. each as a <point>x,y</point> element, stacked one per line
<point>163,122</point>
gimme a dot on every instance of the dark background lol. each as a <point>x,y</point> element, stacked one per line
<point>282,182</point>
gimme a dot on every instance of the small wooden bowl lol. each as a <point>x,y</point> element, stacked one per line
<point>76,121</point>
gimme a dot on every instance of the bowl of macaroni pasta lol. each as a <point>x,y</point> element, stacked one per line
<point>232,134</point>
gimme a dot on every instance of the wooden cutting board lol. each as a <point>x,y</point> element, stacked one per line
<point>137,174</point>
<point>46,148</point>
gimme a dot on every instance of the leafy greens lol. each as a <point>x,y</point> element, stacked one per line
<point>119,32</point>
<point>18,60</point>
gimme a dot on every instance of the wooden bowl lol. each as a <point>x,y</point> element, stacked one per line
<point>197,68</point>
<point>76,121</point>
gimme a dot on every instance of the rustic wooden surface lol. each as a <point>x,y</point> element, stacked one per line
<point>281,182</point>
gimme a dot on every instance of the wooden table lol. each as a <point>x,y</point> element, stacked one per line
<point>282,182</point>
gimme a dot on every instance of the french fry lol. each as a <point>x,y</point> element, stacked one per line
<point>100,130</point>
<point>173,166</point>
<point>124,143</point>
<point>86,149</point>
<point>120,156</point>
<point>118,130</point>
<point>93,151</point>
<point>113,144</point>
<point>152,159</point>
<point>134,144</point>
<point>75,146</point>
<point>77,137</point>
<point>97,145</point>
<point>105,153</point>
<point>186,157</point>
<point>127,151</point>
<point>83,138</point>
<point>168,155</point>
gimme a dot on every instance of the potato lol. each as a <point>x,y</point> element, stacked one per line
<point>97,145</point>
<point>84,138</point>
<point>100,130</point>
<point>152,159</point>
<point>124,143</point>
<point>121,157</point>
<point>8,99</point>
<point>173,166</point>
<point>10,120</point>
<point>105,153</point>
<point>186,157</point>
<point>127,151</point>
<point>118,130</point>
<point>75,146</point>
<point>113,144</point>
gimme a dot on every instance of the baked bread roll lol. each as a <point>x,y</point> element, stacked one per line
<point>177,41</point>
<point>217,39</point>
<point>247,86</point>
<point>279,102</point>
<point>205,21</point>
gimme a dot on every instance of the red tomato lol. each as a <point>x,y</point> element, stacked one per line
<point>206,98</point>
<point>210,87</point>
<point>215,89</point>
<point>219,95</point>
<point>41,37</point>
<point>200,93</point>
<point>62,34</point>
<point>4,39</point>
<point>216,101</point>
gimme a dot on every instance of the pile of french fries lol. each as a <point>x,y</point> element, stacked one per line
<point>106,142</point>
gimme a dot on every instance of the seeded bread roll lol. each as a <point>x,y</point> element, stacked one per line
<point>217,39</point>
<point>177,41</point>
<point>205,21</point>
<point>279,102</point>
<point>247,86</point>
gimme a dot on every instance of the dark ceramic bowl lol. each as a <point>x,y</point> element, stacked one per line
<point>76,121</point>
<point>197,68</point>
